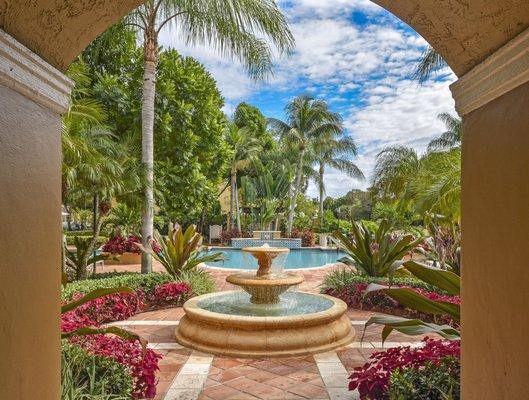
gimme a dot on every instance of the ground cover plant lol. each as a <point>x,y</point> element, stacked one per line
<point>87,376</point>
<point>400,372</point>
<point>350,287</point>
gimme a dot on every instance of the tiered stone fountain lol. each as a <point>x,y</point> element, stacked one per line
<point>267,320</point>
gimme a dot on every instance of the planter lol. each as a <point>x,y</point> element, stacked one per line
<point>124,259</point>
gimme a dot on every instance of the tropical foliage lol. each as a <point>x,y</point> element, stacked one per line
<point>375,253</point>
<point>180,251</point>
<point>444,280</point>
<point>235,30</point>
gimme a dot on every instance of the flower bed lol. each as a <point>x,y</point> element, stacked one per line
<point>351,289</point>
<point>374,379</point>
<point>120,306</point>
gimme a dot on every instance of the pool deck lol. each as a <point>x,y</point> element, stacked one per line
<point>186,374</point>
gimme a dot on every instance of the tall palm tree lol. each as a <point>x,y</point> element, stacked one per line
<point>452,137</point>
<point>431,62</point>
<point>394,170</point>
<point>307,120</point>
<point>335,152</point>
<point>235,28</point>
<point>244,146</point>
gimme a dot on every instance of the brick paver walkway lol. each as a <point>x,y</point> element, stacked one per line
<point>186,374</point>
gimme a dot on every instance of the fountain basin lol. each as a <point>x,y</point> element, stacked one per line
<point>265,290</point>
<point>213,324</point>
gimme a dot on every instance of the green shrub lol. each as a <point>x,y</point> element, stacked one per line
<point>70,239</point>
<point>344,277</point>
<point>199,280</point>
<point>434,381</point>
<point>90,377</point>
<point>84,232</point>
<point>132,280</point>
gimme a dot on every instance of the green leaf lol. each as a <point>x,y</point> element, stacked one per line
<point>114,330</point>
<point>411,327</point>
<point>411,299</point>
<point>445,280</point>
<point>94,294</point>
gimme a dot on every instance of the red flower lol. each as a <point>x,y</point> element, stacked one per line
<point>170,293</point>
<point>372,379</point>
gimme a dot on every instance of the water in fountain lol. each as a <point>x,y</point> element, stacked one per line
<point>291,303</point>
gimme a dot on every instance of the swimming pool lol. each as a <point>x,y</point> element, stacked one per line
<point>297,258</point>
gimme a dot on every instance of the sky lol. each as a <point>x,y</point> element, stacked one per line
<point>357,57</point>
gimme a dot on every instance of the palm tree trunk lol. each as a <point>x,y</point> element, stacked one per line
<point>233,195</point>
<point>147,143</point>
<point>322,190</point>
<point>295,192</point>
<point>237,208</point>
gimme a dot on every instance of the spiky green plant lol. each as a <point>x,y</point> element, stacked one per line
<point>375,253</point>
<point>179,251</point>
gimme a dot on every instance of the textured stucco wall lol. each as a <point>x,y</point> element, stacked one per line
<point>30,163</point>
<point>58,30</point>
<point>464,32</point>
<point>495,221</point>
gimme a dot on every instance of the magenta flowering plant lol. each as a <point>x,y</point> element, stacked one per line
<point>122,244</point>
<point>170,294</point>
<point>354,296</point>
<point>81,323</point>
<point>142,363</point>
<point>373,379</point>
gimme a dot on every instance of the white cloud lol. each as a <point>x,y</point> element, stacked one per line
<point>361,70</point>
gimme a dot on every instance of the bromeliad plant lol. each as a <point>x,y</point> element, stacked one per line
<point>374,253</point>
<point>180,251</point>
<point>445,280</point>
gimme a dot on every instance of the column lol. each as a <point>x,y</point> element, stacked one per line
<point>33,95</point>
<point>494,101</point>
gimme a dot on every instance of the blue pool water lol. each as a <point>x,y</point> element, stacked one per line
<point>297,258</point>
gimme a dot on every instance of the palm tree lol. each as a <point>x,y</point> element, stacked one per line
<point>335,152</point>
<point>307,120</point>
<point>431,62</point>
<point>244,146</point>
<point>94,163</point>
<point>235,28</point>
<point>452,137</point>
<point>394,170</point>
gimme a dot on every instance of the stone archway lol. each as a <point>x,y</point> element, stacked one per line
<point>485,42</point>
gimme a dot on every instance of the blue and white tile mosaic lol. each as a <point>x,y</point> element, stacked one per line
<point>239,243</point>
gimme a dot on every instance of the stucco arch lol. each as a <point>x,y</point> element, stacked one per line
<point>464,32</point>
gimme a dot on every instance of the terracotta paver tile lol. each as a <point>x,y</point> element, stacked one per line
<point>220,392</point>
<point>282,382</point>
<point>254,388</point>
<point>261,376</point>
<point>309,391</point>
<point>303,376</point>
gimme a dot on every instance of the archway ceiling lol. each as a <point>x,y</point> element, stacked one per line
<point>465,32</point>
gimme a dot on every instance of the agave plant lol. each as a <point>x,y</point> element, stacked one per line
<point>85,331</point>
<point>444,280</point>
<point>180,251</point>
<point>374,253</point>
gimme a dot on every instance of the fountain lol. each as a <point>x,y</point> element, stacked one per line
<point>266,320</point>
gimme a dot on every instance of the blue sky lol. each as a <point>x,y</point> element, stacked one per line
<point>357,57</point>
